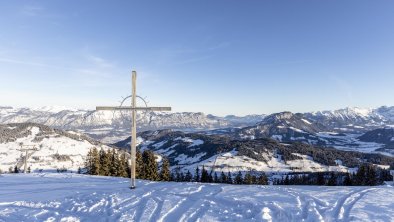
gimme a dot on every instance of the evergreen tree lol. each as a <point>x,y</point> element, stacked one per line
<point>262,180</point>
<point>223,178</point>
<point>139,167</point>
<point>371,176</point>
<point>114,166</point>
<point>348,180</point>
<point>150,167</point>
<point>181,177</point>
<point>95,162</point>
<point>89,162</point>
<point>286,181</point>
<point>238,179</point>
<point>320,179</point>
<point>188,176</point>
<point>122,171</point>
<point>165,170</point>
<point>172,177</point>
<point>79,170</point>
<point>254,179</point>
<point>332,181</point>
<point>210,177</point>
<point>105,161</point>
<point>197,175</point>
<point>16,170</point>
<point>178,175</point>
<point>216,178</point>
<point>204,175</point>
<point>361,175</point>
<point>28,170</point>
<point>10,170</point>
<point>247,178</point>
<point>229,178</point>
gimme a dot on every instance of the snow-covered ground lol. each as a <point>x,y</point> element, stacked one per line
<point>71,197</point>
<point>232,162</point>
<point>46,153</point>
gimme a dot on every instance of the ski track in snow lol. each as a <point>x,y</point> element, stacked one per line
<point>69,197</point>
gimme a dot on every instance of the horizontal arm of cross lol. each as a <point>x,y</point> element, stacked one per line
<point>98,108</point>
<point>28,149</point>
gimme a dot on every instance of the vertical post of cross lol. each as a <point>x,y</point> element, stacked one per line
<point>133,128</point>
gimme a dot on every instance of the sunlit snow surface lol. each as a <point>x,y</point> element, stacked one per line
<point>70,197</point>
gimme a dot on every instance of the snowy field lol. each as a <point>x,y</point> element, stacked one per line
<point>70,197</point>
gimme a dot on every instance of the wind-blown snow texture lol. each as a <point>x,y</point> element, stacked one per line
<point>70,197</point>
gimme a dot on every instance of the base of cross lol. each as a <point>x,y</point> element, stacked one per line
<point>132,188</point>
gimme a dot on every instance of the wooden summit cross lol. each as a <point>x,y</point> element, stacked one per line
<point>134,110</point>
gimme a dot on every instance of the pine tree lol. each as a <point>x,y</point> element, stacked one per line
<point>229,178</point>
<point>28,170</point>
<point>178,175</point>
<point>247,178</point>
<point>114,165</point>
<point>181,177</point>
<point>188,176</point>
<point>204,175</point>
<point>254,179</point>
<point>79,170</point>
<point>332,181</point>
<point>105,161</point>
<point>95,162</point>
<point>320,179</point>
<point>172,177</point>
<point>16,170</point>
<point>216,178</point>
<point>197,175</point>
<point>139,168</point>
<point>371,176</point>
<point>122,171</point>
<point>165,170</point>
<point>223,178</point>
<point>210,177</point>
<point>238,179</point>
<point>348,180</point>
<point>89,162</point>
<point>286,180</point>
<point>361,175</point>
<point>262,180</point>
<point>149,165</point>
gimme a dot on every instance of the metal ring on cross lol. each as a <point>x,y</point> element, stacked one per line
<point>122,103</point>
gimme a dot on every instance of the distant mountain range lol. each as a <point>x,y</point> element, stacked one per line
<point>109,126</point>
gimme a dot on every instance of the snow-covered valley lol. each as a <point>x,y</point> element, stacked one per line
<point>73,197</point>
<point>51,149</point>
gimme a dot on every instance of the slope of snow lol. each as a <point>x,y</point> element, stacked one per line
<point>51,152</point>
<point>69,197</point>
<point>232,162</point>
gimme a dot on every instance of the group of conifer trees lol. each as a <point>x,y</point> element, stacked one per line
<point>115,163</point>
<point>204,176</point>
<point>366,175</point>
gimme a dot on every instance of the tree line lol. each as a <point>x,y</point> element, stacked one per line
<point>203,176</point>
<point>366,175</point>
<point>115,163</point>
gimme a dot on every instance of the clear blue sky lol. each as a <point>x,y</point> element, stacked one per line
<point>219,57</point>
